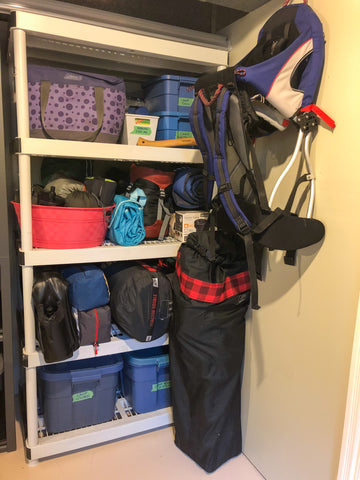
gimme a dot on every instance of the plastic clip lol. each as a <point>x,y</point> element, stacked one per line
<point>307,121</point>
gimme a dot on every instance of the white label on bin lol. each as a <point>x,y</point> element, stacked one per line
<point>79,397</point>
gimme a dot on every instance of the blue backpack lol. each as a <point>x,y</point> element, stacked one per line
<point>274,84</point>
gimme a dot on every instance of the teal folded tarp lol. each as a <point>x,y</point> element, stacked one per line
<point>127,221</point>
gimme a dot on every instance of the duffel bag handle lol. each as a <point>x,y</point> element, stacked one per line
<point>82,136</point>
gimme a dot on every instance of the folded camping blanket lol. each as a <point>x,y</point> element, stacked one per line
<point>127,221</point>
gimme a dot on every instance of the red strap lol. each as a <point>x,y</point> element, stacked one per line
<point>207,102</point>
<point>96,331</point>
<point>320,113</point>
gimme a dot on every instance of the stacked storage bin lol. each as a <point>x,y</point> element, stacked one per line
<point>78,394</point>
<point>170,98</point>
<point>146,379</point>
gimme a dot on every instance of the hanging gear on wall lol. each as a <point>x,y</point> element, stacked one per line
<point>284,69</point>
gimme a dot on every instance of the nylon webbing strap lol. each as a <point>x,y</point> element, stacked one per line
<point>242,148</point>
<point>268,220</point>
<point>204,137</point>
<point>226,193</point>
<point>250,256</point>
<point>299,181</point>
<point>227,196</point>
<point>154,300</point>
<point>166,218</point>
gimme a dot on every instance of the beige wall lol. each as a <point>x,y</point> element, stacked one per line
<point>299,344</point>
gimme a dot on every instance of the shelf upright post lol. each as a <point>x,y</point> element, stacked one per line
<point>22,111</point>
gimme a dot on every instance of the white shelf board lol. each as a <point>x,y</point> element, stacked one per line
<point>113,253</point>
<point>116,345</point>
<point>106,151</point>
<point>128,43</point>
<point>101,433</point>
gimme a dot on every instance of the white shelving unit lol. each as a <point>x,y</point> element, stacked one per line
<point>40,33</point>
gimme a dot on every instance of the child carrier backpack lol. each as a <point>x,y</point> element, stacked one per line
<point>157,186</point>
<point>284,71</point>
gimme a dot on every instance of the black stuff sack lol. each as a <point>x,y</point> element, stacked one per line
<point>157,186</point>
<point>103,188</point>
<point>56,329</point>
<point>140,300</point>
<point>206,347</point>
<point>95,326</point>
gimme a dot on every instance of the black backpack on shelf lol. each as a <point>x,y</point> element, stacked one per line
<point>157,186</point>
<point>56,329</point>
<point>140,299</point>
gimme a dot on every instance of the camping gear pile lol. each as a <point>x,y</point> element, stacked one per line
<point>201,300</point>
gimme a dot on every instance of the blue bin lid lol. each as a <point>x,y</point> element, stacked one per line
<point>150,356</point>
<point>62,371</point>
<point>166,113</point>
<point>177,78</point>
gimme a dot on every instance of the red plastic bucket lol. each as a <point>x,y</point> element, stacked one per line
<point>67,227</point>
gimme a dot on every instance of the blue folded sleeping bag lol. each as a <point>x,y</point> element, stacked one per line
<point>188,188</point>
<point>127,220</point>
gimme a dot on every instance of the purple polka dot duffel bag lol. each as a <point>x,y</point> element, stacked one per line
<point>72,105</point>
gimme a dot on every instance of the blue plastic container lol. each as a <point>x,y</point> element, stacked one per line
<point>173,125</point>
<point>146,379</point>
<point>169,92</point>
<point>78,394</point>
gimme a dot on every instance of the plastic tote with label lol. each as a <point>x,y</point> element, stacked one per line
<point>146,379</point>
<point>136,126</point>
<point>78,394</point>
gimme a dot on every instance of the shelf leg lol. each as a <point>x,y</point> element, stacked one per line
<point>31,408</point>
<point>29,329</point>
<point>22,114</point>
<point>22,110</point>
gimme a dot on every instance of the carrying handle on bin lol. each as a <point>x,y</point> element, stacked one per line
<point>85,137</point>
<point>81,376</point>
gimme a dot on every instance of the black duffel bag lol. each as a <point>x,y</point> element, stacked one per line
<point>140,299</point>
<point>206,346</point>
<point>56,329</point>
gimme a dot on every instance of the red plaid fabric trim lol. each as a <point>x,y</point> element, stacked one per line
<point>212,292</point>
<point>148,267</point>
